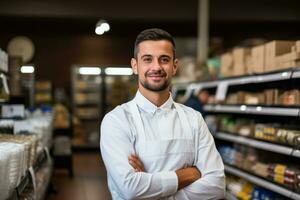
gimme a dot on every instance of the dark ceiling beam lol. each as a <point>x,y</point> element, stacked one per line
<point>154,10</point>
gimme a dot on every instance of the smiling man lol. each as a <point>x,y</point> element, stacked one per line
<point>153,147</point>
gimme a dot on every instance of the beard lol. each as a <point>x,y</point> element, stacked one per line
<point>155,87</point>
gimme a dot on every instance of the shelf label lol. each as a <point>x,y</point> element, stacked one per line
<point>32,174</point>
<point>222,90</point>
<point>13,111</point>
<point>23,127</point>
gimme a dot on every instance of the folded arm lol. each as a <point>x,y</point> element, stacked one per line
<point>116,145</point>
<point>185,176</point>
<point>212,183</point>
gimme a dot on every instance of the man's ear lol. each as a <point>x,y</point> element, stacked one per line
<point>176,66</point>
<point>134,66</point>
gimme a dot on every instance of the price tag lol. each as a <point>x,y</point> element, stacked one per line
<point>23,127</point>
<point>32,174</point>
<point>222,90</point>
<point>13,111</point>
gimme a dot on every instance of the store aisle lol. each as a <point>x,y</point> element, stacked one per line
<point>89,181</point>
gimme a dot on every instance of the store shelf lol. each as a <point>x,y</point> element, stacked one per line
<point>255,110</point>
<point>261,182</point>
<point>258,144</point>
<point>278,76</point>
<point>252,79</point>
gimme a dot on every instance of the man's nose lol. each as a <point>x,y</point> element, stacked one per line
<point>156,65</point>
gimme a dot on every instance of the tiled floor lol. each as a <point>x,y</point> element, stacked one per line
<point>88,183</point>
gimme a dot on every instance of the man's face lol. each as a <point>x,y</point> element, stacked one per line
<point>155,65</point>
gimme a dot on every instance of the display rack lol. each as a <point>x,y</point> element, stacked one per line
<point>254,110</point>
<point>281,75</point>
<point>276,148</point>
<point>42,92</point>
<point>223,87</point>
<point>261,182</point>
<point>26,181</point>
<point>87,102</point>
<point>65,160</point>
<point>96,91</point>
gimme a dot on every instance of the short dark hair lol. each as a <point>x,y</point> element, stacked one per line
<point>154,34</point>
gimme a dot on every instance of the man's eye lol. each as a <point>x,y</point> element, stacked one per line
<point>147,59</point>
<point>165,60</point>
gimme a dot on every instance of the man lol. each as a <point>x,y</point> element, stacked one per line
<point>198,102</point>
<point>152,147</point>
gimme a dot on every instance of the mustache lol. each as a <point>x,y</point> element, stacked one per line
<point>156,73</point>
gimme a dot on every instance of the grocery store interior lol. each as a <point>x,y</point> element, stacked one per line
<point>65,64</point>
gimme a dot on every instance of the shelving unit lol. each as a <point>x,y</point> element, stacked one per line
<point>27,179</point>
<point>258,144</point>
<point>87,104</point>
<point>254,110</point>
<point>96,91</point>
<point>261,182</point>
<point>42,92</point>
<point>281,75</point>
<point>223,87</point>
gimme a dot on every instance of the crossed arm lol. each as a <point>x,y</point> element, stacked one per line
<point>131,182</point>
<point>185,176</point>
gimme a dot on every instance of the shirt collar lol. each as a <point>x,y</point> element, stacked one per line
<point>147,106</point>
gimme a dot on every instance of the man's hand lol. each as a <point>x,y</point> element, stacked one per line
<point>135,162</point>
<point>187,176</point>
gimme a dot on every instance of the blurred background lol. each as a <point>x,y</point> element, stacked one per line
<point>60,75</point>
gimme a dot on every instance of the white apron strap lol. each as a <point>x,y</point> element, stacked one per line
<point>184,120</point>
<point>137,119</point>
<point>187,128</point>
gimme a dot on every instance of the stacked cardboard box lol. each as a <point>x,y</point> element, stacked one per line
<point>272,56</point>
<point>227,64</point>
<point>258,60</point>
<point>236,63</point>
<point>278,55</point>
<point>241,60</point>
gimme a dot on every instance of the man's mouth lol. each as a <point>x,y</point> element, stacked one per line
<point>156,76</point>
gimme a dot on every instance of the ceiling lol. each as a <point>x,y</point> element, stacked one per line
<point>154,10</point>
<point>127,16</point>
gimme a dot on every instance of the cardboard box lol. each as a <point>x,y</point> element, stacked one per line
<point>269,97</point>
<point>254,98</point>
<point>258,60</point>
<point>239,61</point>
<point>290,98</point>
<point>287,60</point>
<point>227,65</point>
<point>274,49</point>
<point>297,45</point>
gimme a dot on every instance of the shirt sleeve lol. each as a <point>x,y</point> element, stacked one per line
<point>208,160</point>
<point>116,145</point>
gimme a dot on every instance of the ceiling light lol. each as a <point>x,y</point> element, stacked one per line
<point>101,27</point>
<point>27,69</point>
<point>118,71</point>
<point>89,70</point>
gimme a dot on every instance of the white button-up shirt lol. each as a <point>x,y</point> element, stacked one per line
<point>165,139</point>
